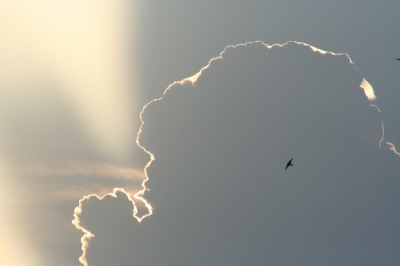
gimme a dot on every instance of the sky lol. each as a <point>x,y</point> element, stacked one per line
<point>157,133</point>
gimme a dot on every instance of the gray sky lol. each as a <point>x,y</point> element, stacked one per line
<point>75,77</point>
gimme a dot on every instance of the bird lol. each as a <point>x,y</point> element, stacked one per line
<point>289,164</point>
<point>398,59</point>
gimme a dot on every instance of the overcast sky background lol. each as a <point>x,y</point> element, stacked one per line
<point>74,77</point>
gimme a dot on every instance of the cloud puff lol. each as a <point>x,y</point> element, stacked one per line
<point>219,188</point>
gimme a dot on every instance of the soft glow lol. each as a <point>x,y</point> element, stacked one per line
<point>81,48</point>
<point>76,168</point>
<point>368,90</point>
<point>81,52</point>
<point>15,249</point>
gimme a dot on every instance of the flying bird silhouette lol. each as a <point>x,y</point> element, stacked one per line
<point>398,59</point>
<point>289,164</point>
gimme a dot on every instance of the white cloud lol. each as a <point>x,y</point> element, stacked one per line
<point>219,188</point>
<point>391,147</point>
<point>369,91</point>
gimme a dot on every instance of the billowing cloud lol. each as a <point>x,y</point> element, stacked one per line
<point>219,142</point>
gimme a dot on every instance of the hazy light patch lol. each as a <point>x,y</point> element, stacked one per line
<point>71,180</point>
<point>368,90</point>
<point>15,248</point>
<point>55,194</point>
<point>80,46</point>
<point>88,169</point>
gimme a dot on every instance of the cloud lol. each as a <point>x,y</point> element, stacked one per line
<point>119,201</point>
<point>391,147</point>
<point>218,144</point>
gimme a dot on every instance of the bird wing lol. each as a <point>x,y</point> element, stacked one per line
<point>288,164</point>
